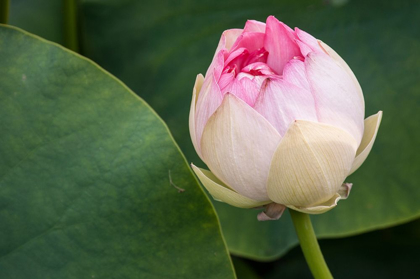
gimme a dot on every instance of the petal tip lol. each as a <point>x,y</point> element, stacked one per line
<point>273,211</point>
<point>271,17</point>
<point>344,190</point>
<point>221,192</point>
<point>342,194</point>
<point>372,124</point>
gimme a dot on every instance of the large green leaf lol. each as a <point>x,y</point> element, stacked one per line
<point>157,47</point>
<point>85,176</point>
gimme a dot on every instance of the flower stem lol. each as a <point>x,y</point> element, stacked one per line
<point>70,25</point>
<point>309,245</point>
<point>4,11</point>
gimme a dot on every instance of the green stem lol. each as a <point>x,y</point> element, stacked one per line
<point>4,11</point>
<point>70,25</point>
<point>309,245</point>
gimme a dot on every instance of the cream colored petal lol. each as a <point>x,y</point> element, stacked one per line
<point>237,146</point>
<point>221,192</point>
<point>340,61</point>
<point>228,38</point>
<point>310,164</point>
<point>342,194</point>
<point>199,80</point>
<point>196,90</point>
<point>371,130</point>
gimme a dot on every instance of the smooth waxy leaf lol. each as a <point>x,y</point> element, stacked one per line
<point>158,48</point>
<point>89,176</point>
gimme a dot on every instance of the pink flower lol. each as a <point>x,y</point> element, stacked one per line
<point>279,121</point>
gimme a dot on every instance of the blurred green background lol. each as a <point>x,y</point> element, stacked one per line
<point>158,47</point>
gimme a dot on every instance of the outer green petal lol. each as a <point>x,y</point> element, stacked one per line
<point>221,192</point>
<point>371,130</point>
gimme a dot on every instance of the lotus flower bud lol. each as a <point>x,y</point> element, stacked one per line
<point>279,121</point>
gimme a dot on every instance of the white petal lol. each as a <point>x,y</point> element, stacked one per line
<point>371,130</point>
<point>237,146</point>
<point>342,194</point>
<point>340,61</point>
<point>310,164</point>
<point>336,97</point>
<point>197,87</point>
<point>221,192</point>
<point>281,102</point>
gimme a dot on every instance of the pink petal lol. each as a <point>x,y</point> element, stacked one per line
<point>227,39</point>
<point>251,41</point>
<point>307,43</point>
<point>295,73</point>
<point>336,96</point>
<point>280,44</point>
<point>254,26</point>
<point>237,57</point>
<point>247,84</point>
<point>304,48</point>
<point>216,67</point>
<point>258,68</point>
<point>226,80</point>
<point>259,55</point>
<point>209,99</point>
<point>282,102</point>
<point>247,87</point>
